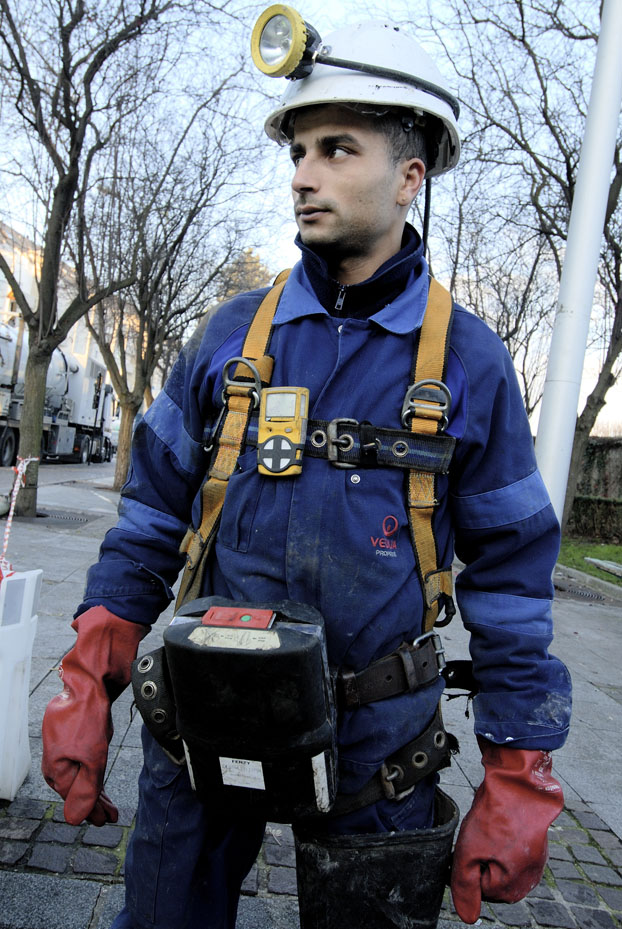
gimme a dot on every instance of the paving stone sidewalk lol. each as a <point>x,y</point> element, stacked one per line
<point>55,875</point>
<point>581,888</point>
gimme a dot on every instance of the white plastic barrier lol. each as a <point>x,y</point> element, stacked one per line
<point>19,596</point>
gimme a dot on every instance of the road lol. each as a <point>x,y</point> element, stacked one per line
<point>74,487</point>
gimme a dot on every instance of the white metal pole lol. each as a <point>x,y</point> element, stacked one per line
<point>560,399</point>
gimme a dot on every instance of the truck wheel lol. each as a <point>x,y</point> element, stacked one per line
<point>8,448</point>
<point>84,450</point>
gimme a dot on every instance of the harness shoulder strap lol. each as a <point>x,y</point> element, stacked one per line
<point>428,418</point>
<point>239,402</point>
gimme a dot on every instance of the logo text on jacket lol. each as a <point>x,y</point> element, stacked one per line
<point>384,544</point>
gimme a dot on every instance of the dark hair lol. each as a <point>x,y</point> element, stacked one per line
<point>408,134</point>
<point>405,137</point>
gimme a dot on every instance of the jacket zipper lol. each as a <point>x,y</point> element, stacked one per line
<point>340,298</point>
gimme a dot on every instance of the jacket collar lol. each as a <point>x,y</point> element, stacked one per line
<point>394,297</point>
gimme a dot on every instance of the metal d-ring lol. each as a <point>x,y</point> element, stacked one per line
<point>253,391</point>
<point>428,399</point>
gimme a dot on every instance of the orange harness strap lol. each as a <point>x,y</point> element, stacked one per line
<point>428,418</point>
<point>239,403</point>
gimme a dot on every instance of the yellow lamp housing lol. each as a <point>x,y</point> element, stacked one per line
<point>282,43</point>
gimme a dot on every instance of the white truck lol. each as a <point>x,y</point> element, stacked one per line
<point>78,403</point>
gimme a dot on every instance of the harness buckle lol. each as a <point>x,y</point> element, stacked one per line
<point>428,399</point>
<point>241,388</point>
<point>437,642</point>
<point>335,441</point>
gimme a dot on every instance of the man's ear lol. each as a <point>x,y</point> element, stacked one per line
<point>412,176</point>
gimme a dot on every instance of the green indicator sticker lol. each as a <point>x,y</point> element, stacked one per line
<point>246,618</point>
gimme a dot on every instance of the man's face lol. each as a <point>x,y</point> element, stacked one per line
<point>350,199</point>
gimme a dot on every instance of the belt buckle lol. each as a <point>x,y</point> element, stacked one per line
<point>437,642</point>
<point>387,776</point>
<point>335,442</point>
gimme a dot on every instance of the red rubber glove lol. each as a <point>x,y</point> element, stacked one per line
<point>77,725</point>
<point>502,846</point>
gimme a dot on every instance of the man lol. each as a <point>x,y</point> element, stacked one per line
<point>347,328</point>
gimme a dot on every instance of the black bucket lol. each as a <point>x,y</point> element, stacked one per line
<point>381,880</point>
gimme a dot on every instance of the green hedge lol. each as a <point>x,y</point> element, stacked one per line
<point>596,518</point>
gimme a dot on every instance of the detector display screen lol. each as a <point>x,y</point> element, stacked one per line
<point>281,405</point>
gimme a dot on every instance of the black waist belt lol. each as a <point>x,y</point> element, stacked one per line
<point>348,443</point>
<point>397,777</point>
<point>408,668</point>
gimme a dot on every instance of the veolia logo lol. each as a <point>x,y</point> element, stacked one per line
<point>390,526</point>
<point>384,544</point>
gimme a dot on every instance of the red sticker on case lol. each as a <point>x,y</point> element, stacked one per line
<point>238,618</point>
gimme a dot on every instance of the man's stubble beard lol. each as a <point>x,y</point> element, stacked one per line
<point>336,247</point>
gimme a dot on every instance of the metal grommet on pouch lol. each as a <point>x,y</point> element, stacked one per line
<point>153,696</point>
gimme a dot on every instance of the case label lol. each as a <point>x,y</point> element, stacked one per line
<point>241,772</point>
<point>245,639</point>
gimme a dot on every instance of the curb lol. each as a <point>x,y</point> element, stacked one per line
<point>614,591</point>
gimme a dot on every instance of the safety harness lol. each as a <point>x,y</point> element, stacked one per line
<point>421,447</point>
<point>425,451</point>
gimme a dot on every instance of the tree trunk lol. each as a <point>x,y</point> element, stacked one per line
<point>31,426</point>
<point>124,447</point>
<point>579,444</point>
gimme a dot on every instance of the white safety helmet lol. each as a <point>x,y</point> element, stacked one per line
<point>415,84</point>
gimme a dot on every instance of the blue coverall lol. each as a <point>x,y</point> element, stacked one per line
<point>315,538</point>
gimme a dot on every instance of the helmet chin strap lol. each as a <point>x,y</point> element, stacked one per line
<point>426,212</point>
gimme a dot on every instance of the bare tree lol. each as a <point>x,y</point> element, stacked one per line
<point>499,270</point>
<point>244,272</point>
<point>173,206</point>
<point>524,71</point>
<point>72,72</point>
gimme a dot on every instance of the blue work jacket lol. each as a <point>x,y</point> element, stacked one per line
<point>339,539</point>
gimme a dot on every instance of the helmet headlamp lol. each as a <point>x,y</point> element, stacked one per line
<point>284,45</point>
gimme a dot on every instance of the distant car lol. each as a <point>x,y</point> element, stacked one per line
<point>114,434</point>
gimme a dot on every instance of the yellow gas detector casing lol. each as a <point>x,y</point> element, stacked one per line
<point>282,431</point>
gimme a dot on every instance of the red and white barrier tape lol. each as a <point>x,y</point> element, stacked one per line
<point>20,481</point>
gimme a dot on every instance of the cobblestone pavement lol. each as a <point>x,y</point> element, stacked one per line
<point>581,889</point>
<point>71,877</point>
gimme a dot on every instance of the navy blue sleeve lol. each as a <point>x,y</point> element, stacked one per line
<point>507,534</point>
